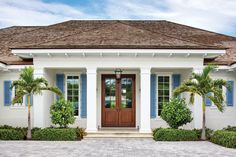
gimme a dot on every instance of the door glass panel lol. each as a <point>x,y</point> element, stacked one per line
<point>110,93</point>
<point>126,93</point>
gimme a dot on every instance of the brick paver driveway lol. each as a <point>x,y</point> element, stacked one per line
<point>113,147</point>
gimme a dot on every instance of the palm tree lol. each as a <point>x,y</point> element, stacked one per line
<point>203,85</point>
<point>27,85</point>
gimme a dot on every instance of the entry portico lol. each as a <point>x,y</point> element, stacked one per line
<point>98,63</point>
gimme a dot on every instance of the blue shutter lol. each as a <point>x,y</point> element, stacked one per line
<point>153,89</point>
<point>7,93</point>
<point>208,102</point>
<point>230,94</point>
<point>83,95</point>
<point>175,80</point>
<point>60,78</point>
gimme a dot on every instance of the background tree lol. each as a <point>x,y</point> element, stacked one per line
<point>27,85</point>
<point>203,85</point>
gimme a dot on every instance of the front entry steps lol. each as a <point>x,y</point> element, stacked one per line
<point>118,133</point>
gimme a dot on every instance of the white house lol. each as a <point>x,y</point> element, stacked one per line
<point>116,73</point>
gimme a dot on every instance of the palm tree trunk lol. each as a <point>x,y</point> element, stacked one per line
<point>29,136</point>
<point>203,135</point>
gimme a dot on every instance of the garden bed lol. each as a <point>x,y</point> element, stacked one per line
<point>47,134</point>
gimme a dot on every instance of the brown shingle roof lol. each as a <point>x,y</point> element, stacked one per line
<point>114,34</point>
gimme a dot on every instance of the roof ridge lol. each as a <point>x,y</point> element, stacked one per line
<point>159,32</point>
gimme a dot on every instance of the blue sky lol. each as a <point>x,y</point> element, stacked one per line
<point>213,15</point>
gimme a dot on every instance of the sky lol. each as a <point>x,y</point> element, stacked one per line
<point>214,15</point>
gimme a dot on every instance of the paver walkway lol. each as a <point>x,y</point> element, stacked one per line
<point>112,147</point>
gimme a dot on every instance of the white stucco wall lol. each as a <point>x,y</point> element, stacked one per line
<point>12,115</point>
<point>216,119</point>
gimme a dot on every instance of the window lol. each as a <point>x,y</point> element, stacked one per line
<point>163,93</point>
<point>72,92</point>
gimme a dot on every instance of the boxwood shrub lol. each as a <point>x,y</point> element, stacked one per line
<point>12,134</point>
<point>209,133</point>
<point>224,138</point>
<point>230,128</point>
<point>174,135</point>
<point>58,134</point>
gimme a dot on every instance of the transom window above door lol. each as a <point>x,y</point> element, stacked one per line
<point>163,91</point>
<point>72,91</point>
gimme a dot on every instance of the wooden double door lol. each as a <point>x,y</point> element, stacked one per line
<point>118,101</point>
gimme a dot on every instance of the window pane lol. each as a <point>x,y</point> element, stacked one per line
<point>163,91</point>
<point>73,92</point>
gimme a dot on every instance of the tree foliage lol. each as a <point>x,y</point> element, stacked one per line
<point>62,113</point>
<point>176,113</point>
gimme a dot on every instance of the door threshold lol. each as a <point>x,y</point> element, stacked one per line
<point>118,128</point>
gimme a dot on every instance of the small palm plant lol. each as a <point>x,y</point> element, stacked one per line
<point>27,85</point>
<point>203,85</point>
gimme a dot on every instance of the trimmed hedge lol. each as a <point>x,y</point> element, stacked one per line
<point>224,138</point>
<point>209,133</point>
<point>58,134</point>
<point>230,128</point>
<point>11,134</point>
<point>169,134</point>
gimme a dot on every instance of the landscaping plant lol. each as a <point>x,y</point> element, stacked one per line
<point>203,85</point>
<point>176,113</point>
<point>170,134</point>
<point>27,85</point>
<point>62,113</point>
<point>224,138</point>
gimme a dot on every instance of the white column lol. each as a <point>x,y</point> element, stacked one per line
<point>38,104</point>
<point>91,100</point>
<point>197,108</point>
<point>145,121</point>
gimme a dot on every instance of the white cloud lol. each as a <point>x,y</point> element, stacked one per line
<point>214,15</point>
<point>36,12</point>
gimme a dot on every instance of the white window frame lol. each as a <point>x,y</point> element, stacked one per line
<point>158,74</point>
<point>73,74</point>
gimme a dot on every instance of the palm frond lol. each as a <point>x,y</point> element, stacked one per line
<point>53,89</point>
<point>191,99</point>
<point>207,70</point>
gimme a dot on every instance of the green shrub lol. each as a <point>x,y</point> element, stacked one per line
<point>21,130</point>
<point>230,128</point>
<point>11,134</point>
<point>176,113</point>
<point>80,132</point>
<point>209,133</point>
<point>55,134</point>
<point>62,113</point>
<point>170,134</point>
<point>224,138</point>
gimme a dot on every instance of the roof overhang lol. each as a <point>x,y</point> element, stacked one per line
<point>2,66</point>
<point>31,53</point>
